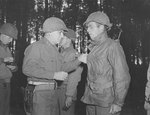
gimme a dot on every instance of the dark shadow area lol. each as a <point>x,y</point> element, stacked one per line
<point>80,107</point>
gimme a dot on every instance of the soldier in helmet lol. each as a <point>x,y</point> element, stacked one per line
<point>8,32</point>
<point>42,64</point>
<point>67,90</point>
<point>108,74</point>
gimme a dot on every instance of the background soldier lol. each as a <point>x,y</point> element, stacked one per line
<point>8,32</point>
<point>67,91</point>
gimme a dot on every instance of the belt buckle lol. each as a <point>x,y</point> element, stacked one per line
<point>54,84</point>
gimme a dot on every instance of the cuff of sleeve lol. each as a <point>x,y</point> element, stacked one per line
<point>72,96</point>
<point>69,95</point>
<point>119,104</point>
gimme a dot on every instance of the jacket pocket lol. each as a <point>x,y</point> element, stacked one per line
<point>104,96</point>
<point>98,88</point>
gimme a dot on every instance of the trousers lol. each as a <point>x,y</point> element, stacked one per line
<point>44,102</point>
<point>61,97</point>
<point>4,98</point>
<point>97,110</point>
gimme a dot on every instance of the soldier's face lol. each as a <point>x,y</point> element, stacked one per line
<point>56,36</point>
<point>65,42</point>
<point>94,29</point>
<point>5,39</point>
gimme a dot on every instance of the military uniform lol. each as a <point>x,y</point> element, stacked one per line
<point>103,87</point>
<point>68,88</point>
<point>5,72</point>
<point>108,74</point>
<point>42,60</point>
<point>5,76</point>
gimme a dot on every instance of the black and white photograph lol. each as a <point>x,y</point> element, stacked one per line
<point>74,57</point>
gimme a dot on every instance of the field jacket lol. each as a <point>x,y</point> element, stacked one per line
<point>72,66</point>
<point>5,72</point>
<point>108,74</point>
<point>41,61</point>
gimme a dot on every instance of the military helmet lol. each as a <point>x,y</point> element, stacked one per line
<point>53,24</point>
<point>71,34</point>
<point>99,17</point>
<point>9,30</point>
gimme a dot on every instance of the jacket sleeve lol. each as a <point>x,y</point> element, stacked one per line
<point>70,61</point>
<point>121,76</point>
<point>73,80</point>
<point>33,65</point>
<point>70,66</point>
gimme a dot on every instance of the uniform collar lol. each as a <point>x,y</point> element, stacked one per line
<point>45,40</point>
<point>98,41</point>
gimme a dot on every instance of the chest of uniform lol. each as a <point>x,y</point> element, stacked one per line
<point>98,53</point>
<point>51,58</point>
